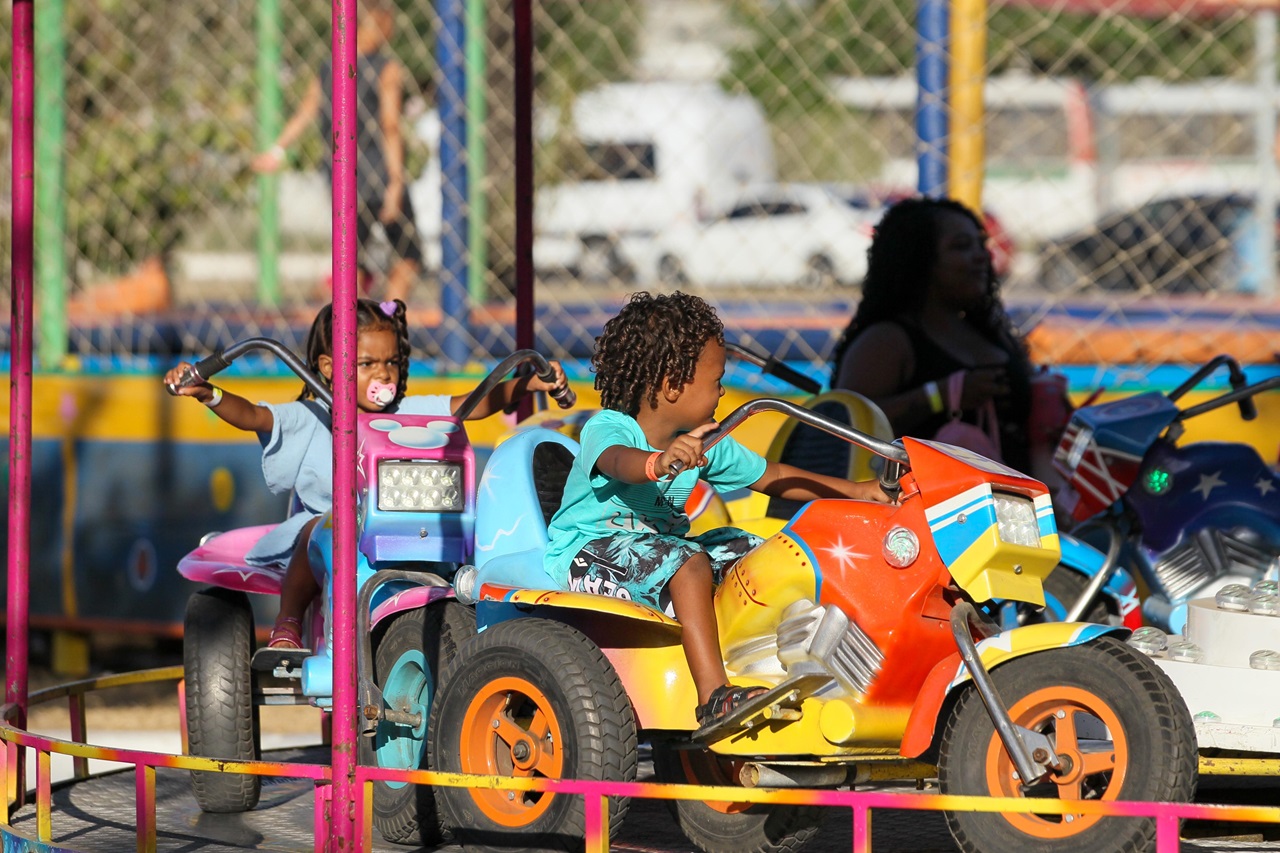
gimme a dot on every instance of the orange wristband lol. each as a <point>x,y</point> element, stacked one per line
<point>651,466</point>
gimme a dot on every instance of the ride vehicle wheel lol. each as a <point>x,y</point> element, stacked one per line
<point>723,827</point>
<point>1115,716</point>
<point>529,698</point>
<point>221,717</point>
<point>407,663</point>
<point>1062,588</point>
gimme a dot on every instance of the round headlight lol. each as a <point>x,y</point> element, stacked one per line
<point>901,547</point>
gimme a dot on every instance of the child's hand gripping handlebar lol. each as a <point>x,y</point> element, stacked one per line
<point>204,369</point>
<point>563,395</point>
<point>542,368</point>
<point>199,373</point>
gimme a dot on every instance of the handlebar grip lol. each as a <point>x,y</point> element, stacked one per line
<point>792,376</point>
<point>200,372</point>
<point>210,365</point>
<point>891,479</point>
<point>1248,408</point>
<point>565,397</point>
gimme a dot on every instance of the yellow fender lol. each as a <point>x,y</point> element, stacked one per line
<point>950,673</point>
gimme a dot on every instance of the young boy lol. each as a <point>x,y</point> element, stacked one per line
<point>621,528</point>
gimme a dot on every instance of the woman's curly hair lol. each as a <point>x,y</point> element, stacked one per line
<point>370,317</point>
<point>652,339</point>
<point>902,255</point>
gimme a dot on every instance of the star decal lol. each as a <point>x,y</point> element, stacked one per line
<point>1209,482</point>
<point>842,553</point>
<point>487,479</point>
<point>1264,485</point>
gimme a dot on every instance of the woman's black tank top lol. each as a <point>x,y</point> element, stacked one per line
<point>935,364</point>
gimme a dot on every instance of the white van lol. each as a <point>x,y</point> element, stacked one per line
<point>654,153</point>
<point>1059,155</point>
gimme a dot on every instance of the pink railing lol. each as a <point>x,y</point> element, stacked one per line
<point>595,794</point>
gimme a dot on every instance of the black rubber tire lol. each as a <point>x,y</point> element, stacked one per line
<point>819,274</point>
<point>412,650</point>
<point>600,262</point>
<point>221,717</point>
<point>551,675</point>
<point>729,827</point>
<point>1061,272</point>
<point>1062,589</point>
<point>1153,748</point>
<point>671,271</point>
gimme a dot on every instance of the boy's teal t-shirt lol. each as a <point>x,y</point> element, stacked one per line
<point>595,506</point>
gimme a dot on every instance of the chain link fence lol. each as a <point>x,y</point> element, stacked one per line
<point>740,149</point>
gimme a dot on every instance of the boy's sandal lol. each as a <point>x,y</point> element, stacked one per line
<point>287,634</point>
<point>724,699</point>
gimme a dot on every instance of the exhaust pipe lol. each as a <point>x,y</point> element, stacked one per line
<point>755,775</point>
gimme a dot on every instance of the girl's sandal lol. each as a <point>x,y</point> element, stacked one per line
<point>724,699</point>
<point>286,635</point>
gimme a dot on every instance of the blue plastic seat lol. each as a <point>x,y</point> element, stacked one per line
<point>519,492</point>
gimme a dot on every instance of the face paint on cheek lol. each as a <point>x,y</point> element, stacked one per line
<point>380,394</point>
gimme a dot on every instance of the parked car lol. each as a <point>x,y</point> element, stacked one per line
<point>1179,244</point>
<point>651,153</point>
<point>811,234</point>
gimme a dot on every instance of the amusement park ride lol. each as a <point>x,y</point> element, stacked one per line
<point>1199,524</point>
<point>441,648</point>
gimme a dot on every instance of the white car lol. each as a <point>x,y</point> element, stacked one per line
<point>808,234</point>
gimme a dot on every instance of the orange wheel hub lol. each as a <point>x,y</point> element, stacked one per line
<point>1094,747</point>
<point>510,729</point>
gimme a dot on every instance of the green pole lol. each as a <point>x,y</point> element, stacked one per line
<point>270,108</point>
<point>478,215</point>
<point>51,211</point>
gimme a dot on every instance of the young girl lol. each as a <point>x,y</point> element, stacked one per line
<point>621,529</point>
<point>298,444</point>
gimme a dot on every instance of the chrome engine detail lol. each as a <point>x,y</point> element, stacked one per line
<point>814,639</point>
<point>1210,554</point>
<point>757,656</point>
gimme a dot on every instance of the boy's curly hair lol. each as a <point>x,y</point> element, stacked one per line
<point>653,338</point>
<point>370,317</point>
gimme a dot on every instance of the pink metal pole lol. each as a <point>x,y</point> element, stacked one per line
<point>522,13</point>
<point>22,269</point>
<point>342,824</point>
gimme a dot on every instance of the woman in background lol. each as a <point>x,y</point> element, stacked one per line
<point>930,309</point>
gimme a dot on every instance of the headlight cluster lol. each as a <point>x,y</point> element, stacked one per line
<point>419,487</point>
<point>1016,520</point>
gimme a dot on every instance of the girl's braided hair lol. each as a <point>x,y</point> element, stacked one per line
<point>370,317</point>
<point>653,338</point>
<point>902,255</point>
